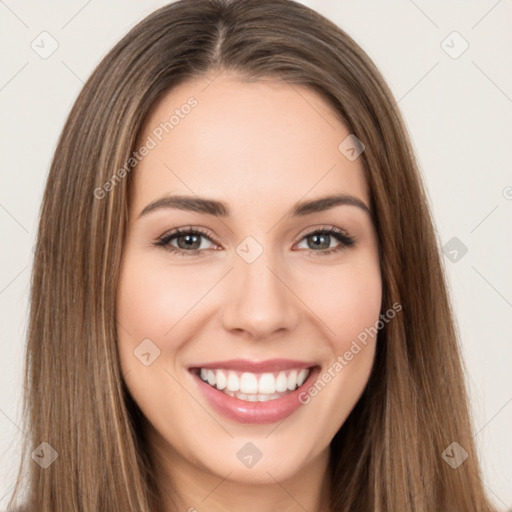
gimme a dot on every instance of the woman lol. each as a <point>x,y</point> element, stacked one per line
<point>237,297</point>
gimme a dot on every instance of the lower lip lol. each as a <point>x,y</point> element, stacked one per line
<point>242,411</point>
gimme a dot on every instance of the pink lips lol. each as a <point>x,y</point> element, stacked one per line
<point>243,411</point>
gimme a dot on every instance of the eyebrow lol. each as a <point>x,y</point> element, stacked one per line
<point>220,209</point>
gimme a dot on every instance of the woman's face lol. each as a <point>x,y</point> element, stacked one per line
<point>260,296</point>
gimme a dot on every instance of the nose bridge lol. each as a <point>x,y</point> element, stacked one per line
<point>258,300</point>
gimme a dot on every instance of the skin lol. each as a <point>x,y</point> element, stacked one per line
<point>259,147</point>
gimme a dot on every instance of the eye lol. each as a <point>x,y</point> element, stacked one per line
<point>188,241</point>
<point>319,241</point>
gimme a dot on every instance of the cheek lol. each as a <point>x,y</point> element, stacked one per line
<point>152,304</point>
<point>356,305</point>
<point>346,301</point>
<point>152,298</point>
<point>351,311</point>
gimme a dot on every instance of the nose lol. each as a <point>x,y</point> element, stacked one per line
<point>260,301</point>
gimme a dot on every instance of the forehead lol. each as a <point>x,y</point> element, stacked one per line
<point>263,143</point>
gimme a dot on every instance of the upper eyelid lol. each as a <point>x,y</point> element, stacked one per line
<point>325,227</point>
<point>186,230</point>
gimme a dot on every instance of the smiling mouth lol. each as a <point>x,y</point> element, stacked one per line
<point>254,387</point>
<point>255,392</point>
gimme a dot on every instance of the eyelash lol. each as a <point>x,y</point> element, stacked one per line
<point>346,240</point>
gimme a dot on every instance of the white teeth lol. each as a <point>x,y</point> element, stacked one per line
<point>301,377</point>
<point>281,382</point>
<point>248,383</point>
<point>211,378</point>
<point>222,381</point>
<point>267,384</point>
<point>254,397</point>
<point>292,380</point>
<point>266,398</point>
<point>233,383</point>
<point>254,387</point>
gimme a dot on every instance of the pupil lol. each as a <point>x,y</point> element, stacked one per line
<point>189,241</point>
<point>324,245</point>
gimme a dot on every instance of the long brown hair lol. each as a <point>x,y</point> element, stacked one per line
<point>387,456</point>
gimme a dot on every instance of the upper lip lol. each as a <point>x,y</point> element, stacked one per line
<point>246,365</point>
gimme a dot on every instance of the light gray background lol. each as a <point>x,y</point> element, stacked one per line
<point>457,110</point>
